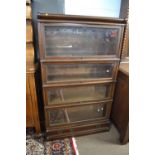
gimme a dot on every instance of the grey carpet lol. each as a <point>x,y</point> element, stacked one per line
<point>106,143</point>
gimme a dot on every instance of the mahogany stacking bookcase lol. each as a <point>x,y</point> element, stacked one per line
<point>79,59</point>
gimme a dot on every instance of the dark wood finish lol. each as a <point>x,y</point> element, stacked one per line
<point>120,109</point>
<point>58,32</point>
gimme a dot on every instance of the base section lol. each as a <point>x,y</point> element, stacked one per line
<point>78,130</point>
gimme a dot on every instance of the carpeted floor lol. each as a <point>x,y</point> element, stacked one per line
<point>106,143</point>
<point>37,146</point>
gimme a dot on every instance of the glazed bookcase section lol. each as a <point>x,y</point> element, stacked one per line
<point>64,40</point>
<point>78,94</point>
<point>76,114</point>
<point>54,73</point>
<point>55,132</point>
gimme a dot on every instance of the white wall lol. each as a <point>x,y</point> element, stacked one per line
<point>109,8</point>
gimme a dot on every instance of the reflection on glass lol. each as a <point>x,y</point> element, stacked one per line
<point>57,116</point>
<point>77,94</point>
<point>74,114</point>
<point>80,41</point>
<point>71,72</point>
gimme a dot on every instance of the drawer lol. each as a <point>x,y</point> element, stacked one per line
<point>70,72</point>
<point>29,32</point>
<point>28,12</point>
<point>77,94</point>
<point>77,114</point>
<point>80,40</point>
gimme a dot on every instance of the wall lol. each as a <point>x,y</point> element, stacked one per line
<point>106,8</point>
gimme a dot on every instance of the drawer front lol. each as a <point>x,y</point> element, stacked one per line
<point>69,40</point>
<point>77,72</point>
<point>76,114</point>
<point>76,94</point>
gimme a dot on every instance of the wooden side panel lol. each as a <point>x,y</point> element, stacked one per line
<point>29,53</point>
<point>29,114</point>
<point>120,109</point>
<point>32,108</point>
<point>125,49</point>
<point>29,32</point>
<point>28,12</point>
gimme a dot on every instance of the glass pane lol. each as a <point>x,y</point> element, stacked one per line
<point>77,94</point>
<point>86,112</point>
<point>80,41</point>
<point>57,116</point>
<point>74,114</point>
<point>71,72</point>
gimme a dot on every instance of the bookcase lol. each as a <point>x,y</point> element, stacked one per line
<point>79,58</point>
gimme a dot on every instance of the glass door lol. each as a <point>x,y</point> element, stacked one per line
<point>77,72</point>
<point>76,114</point>
<point>80,40</point>
<point>76,94</point>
